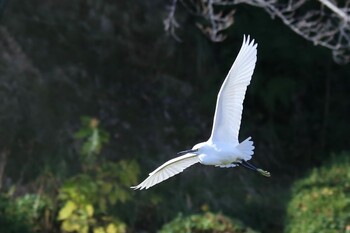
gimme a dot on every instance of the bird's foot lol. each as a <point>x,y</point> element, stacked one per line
<point>264,173</point>
<point>252,167</point>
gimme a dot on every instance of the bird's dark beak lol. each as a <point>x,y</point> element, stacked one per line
<point>187,151</point>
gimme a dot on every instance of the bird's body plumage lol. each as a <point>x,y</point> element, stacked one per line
<point>218,153</point>
<point>223,148</point>
<point>223,154</point>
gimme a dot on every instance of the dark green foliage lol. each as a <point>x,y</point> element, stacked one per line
<point>321,201</point>
<point>27,213</point>
<point>11,221</point>
<point>205,223</point>
<point>93,138</point>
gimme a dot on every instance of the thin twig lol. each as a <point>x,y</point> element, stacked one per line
<point>326,25</point>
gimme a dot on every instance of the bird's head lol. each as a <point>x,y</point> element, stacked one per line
<point>196,149</point>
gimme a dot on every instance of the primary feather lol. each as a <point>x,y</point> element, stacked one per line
<point>167,170</point>
<point>229,105</point>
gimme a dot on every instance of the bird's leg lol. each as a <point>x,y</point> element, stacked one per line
<point>246,166</point>
<point>252,167</point>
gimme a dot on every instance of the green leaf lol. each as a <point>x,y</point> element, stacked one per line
<point>99,230</point>
<point>102,204</point>
<point>69,226</point>
<point>85,120</point>
<point>113,198</point>
<point>106,188</point>
<point>90,210</point>
<point>111,228</point>
<point>84,229</point>
<point>67,210</point>
<point>83,133</point>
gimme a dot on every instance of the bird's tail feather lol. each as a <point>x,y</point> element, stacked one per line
<point>246,148</point>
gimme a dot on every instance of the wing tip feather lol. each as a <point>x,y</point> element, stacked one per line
<point>249,42</point>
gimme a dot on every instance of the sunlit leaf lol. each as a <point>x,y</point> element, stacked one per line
<point>67,226</point>
<point>84,229</point>
<point>90,210</point>
<point>67,210</point>
<point>111,228</point>
<point>71,225</point>
<point>99,230</point>
<point>121,228</point>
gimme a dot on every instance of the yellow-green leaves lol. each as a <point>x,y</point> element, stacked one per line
<point>321,201</point>
<point>76,217</point>
<point>88,197</point>
<point>67,210</point>
<point>206,222</point>
<point>89,210</point>
<point>111,228</point>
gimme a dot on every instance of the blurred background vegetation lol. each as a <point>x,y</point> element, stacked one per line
<point>95,95</point>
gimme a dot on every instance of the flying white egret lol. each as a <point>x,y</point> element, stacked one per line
<point>222,148</point>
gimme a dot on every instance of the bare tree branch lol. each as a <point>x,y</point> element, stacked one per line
<point>323,22</point>
<point>170,23</point>
<point>335,9</point>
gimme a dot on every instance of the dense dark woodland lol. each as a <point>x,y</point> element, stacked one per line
<point>143,97</point>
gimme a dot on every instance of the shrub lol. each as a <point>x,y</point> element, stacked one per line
<point>321,201</point>
<point>90,199</point>
<point>205,223</point>
<point>23,214</point>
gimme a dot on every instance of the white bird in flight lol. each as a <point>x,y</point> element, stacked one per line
<point>222,148</point>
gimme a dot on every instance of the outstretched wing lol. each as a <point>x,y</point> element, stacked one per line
<point>167,170</point>
<point>229,104</point>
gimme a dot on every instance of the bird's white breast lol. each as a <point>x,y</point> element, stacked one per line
<point>218,154</point>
